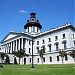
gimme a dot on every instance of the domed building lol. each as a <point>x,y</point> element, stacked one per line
<point>32,40</point>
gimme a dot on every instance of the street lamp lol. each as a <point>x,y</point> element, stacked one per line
<point>32,53</point>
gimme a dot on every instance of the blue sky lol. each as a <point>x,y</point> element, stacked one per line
<point>51,13</point>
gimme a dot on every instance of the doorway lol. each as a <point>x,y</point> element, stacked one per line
<point>24,60</point>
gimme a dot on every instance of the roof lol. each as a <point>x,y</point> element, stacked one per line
<point>13,34</point>
<point>32,21</point>
<point>68,25</point>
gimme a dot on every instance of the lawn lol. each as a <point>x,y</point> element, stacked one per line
<point>57,69</point>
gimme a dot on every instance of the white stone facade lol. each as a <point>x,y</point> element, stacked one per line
<point>62,37</point>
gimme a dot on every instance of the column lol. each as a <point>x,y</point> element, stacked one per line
<point>16,45</point>
<point>19,44</point>
<point>2,48</point>
<point>27,48</point>
<point>6,48</point>
<point>11,48</point>
<point>13,45</point>
<point>22,44</point>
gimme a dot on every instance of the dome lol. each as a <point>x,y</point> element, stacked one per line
<point>32,21</point>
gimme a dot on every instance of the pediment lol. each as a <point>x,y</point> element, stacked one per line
<point>9,36</point>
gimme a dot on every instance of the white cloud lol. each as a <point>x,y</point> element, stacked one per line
<point>23,11</point>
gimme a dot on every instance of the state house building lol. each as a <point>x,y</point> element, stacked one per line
<point>53,40</point>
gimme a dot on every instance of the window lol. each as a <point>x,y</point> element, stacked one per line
<point>37,42</point>
<point>49,47</point>
<point>43,47</point>
<point>33,29</point>
<point>66,57</point>
<point>37,60</point>
<point>28,29</point>
<point>73,35</point>
<point>29,42</point>
<point>33,19</point>
<point>57,58</point>
<point>49,39</point>
<point>43,59</point>
<point>37,49</point>
<point>37,29</point>
<point>74,44</point>
<point>56,38</point>
<point>43,41</point>
<point>50,59</point>
<point>64,45</point>
<point>30,60</point>
<point>64,36</point>
<point>29,50</point>
<point>57,46</point>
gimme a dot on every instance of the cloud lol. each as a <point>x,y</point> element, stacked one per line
<point>23,11</point>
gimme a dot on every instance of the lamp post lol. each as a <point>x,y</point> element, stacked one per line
<point>32,53</point>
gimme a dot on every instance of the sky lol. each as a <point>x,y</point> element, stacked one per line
<point>51,13</point>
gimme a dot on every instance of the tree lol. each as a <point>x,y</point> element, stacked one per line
<point>2,56</point>
<point>19,53</point>
<point>7,60</point>
<point>62,54</point>
<point>42,52</point>
<point>72,54</point>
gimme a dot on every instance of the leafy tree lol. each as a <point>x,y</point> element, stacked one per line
<point>72,54</point>
<point>42,52</point>
<point>7,60</point>
<point>2,56</point>
<point>20,53</point>
<point>62,54</point>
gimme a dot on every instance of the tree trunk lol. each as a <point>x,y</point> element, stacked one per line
<point>19,60</point>
<point>62,59</point>
<point>74,60</point>
<point>22,60</point>
<point>42,60</point>
<point>1,61</point>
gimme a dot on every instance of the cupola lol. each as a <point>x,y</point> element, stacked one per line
<point>32,24</point>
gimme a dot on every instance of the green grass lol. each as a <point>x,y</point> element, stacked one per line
<point>57,69</point>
